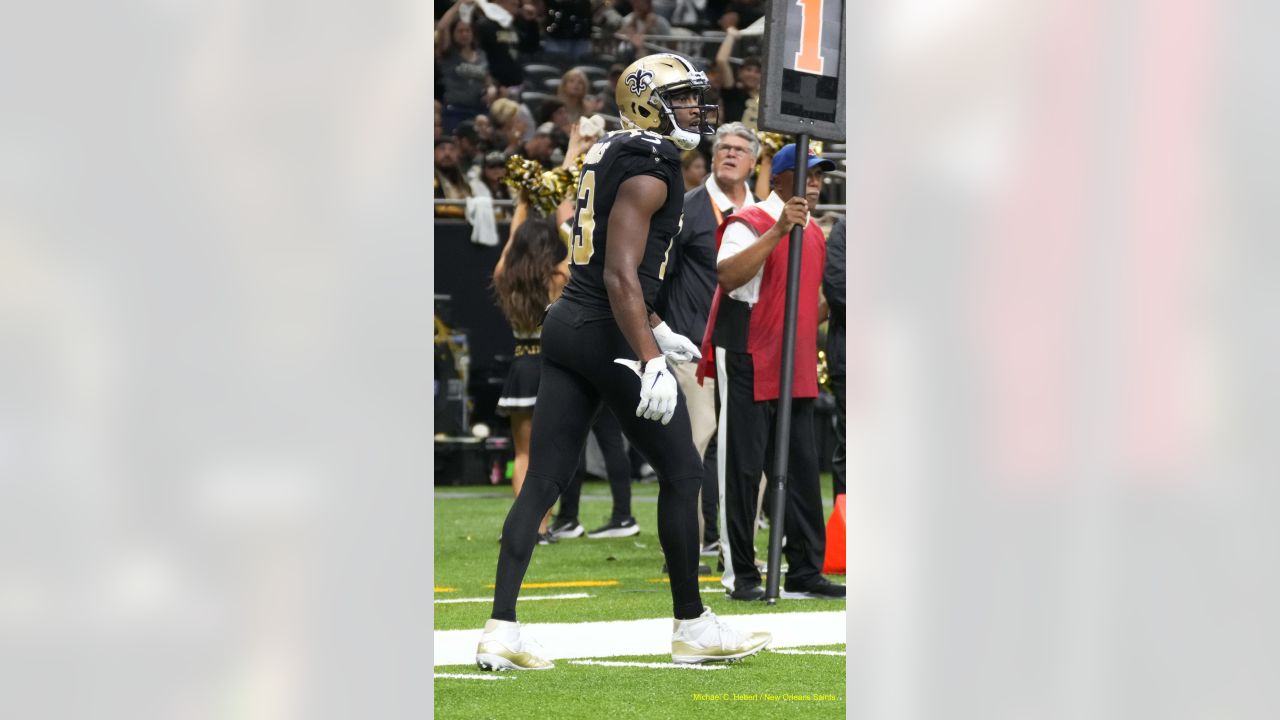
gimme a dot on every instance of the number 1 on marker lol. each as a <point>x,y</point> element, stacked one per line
<point>809,58</point>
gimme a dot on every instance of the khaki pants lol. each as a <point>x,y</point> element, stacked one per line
<point>701,401</point>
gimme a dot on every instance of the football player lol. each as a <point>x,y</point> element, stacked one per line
<point>602,343</point>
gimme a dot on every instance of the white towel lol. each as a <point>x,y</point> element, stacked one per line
<point>484,231</point>
<point>496,13</point>
<point>755,28</point>
<point>591,126</point>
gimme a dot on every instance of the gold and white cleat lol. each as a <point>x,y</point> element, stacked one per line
<point>708,639</point>
<point>502,648</point>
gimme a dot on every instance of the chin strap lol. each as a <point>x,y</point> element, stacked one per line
<point>684,139</point>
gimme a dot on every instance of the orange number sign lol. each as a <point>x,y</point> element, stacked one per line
<point>809,59</point>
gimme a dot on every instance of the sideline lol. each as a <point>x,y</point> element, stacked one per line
<point>643,637</point>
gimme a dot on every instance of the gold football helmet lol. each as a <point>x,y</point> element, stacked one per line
<point>643,94</point>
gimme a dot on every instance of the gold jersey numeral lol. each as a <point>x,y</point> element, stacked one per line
<point>585,225</point>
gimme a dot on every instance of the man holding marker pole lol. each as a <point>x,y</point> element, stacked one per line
<point>746,331</point>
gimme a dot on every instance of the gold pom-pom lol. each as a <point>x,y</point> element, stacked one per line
<point>774,141</point>
<point>544,189</point>
<point>557,184</point>
<point>521,173</point>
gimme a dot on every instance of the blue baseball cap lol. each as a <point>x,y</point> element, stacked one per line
<point>785,159</point>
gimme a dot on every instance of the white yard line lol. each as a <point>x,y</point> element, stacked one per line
<point>489,598</point>
<point>644,637</point>
<point>658,666</point>
<point>810,652</point>
<point>464,676</point>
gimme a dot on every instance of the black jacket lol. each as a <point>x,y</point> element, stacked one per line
<point>833,277</point>
<point>685,298</point>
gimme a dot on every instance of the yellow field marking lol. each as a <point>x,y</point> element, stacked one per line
<point>447,589</point>
<point>566,583</point>
<point>704,578</point>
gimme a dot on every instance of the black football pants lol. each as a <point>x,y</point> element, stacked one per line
<point>617,467</point>
<point>748,428</point>
<point>578,374</point>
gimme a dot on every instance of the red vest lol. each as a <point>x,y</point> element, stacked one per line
<point>764,341</point>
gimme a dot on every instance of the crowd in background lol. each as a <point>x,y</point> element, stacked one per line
<point>513,77</point>
<point>537,80</point>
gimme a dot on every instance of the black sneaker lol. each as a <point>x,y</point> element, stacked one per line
<point>616,529</point>
<point>547,538</point>
<point>566,528</point>
<point>818,587</point>
<point>751,592</point>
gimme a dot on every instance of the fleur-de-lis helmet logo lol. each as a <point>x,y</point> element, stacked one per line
<point>639,80</point>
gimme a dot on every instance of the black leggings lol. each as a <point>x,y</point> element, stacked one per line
<point>578,374</point>
<point>609,436</point>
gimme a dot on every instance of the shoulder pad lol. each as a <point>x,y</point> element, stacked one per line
<point>647,144</point>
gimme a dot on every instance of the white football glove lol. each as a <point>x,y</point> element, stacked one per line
<point>676,347</point>
<point>658,390</point>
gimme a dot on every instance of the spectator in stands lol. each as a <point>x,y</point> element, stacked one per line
<point>541,146</point>
<point>463,69</point>
<point>484,133</point>
<point>439,120</point>
<point>574,92</point>
<point>740,96</point>
<point>568,28</point>
<point>511,136</point>
<point>640,22</point>
<point>489,175</point>
<point>486,181</point>
<point>468,143</point>
<point>688,13</point>
<point>664,9</point>
<point>607,18</point>
<point>741,13</point>
<point>695,169</point>
<point>497,34</point>
<point>514,124</point>
<point>554,111</point>
<point>450,183</point>
<point>528,24</point>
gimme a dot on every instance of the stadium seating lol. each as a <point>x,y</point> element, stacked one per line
<point>535,75</point>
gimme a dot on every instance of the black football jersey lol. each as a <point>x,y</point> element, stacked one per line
<point>614,158</point>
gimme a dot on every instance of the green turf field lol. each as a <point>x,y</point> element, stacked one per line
<point>624,578</point>
<point>469,521</point>
<point>769,685</point>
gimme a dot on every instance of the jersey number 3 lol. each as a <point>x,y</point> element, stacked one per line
<point>585,224</point>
